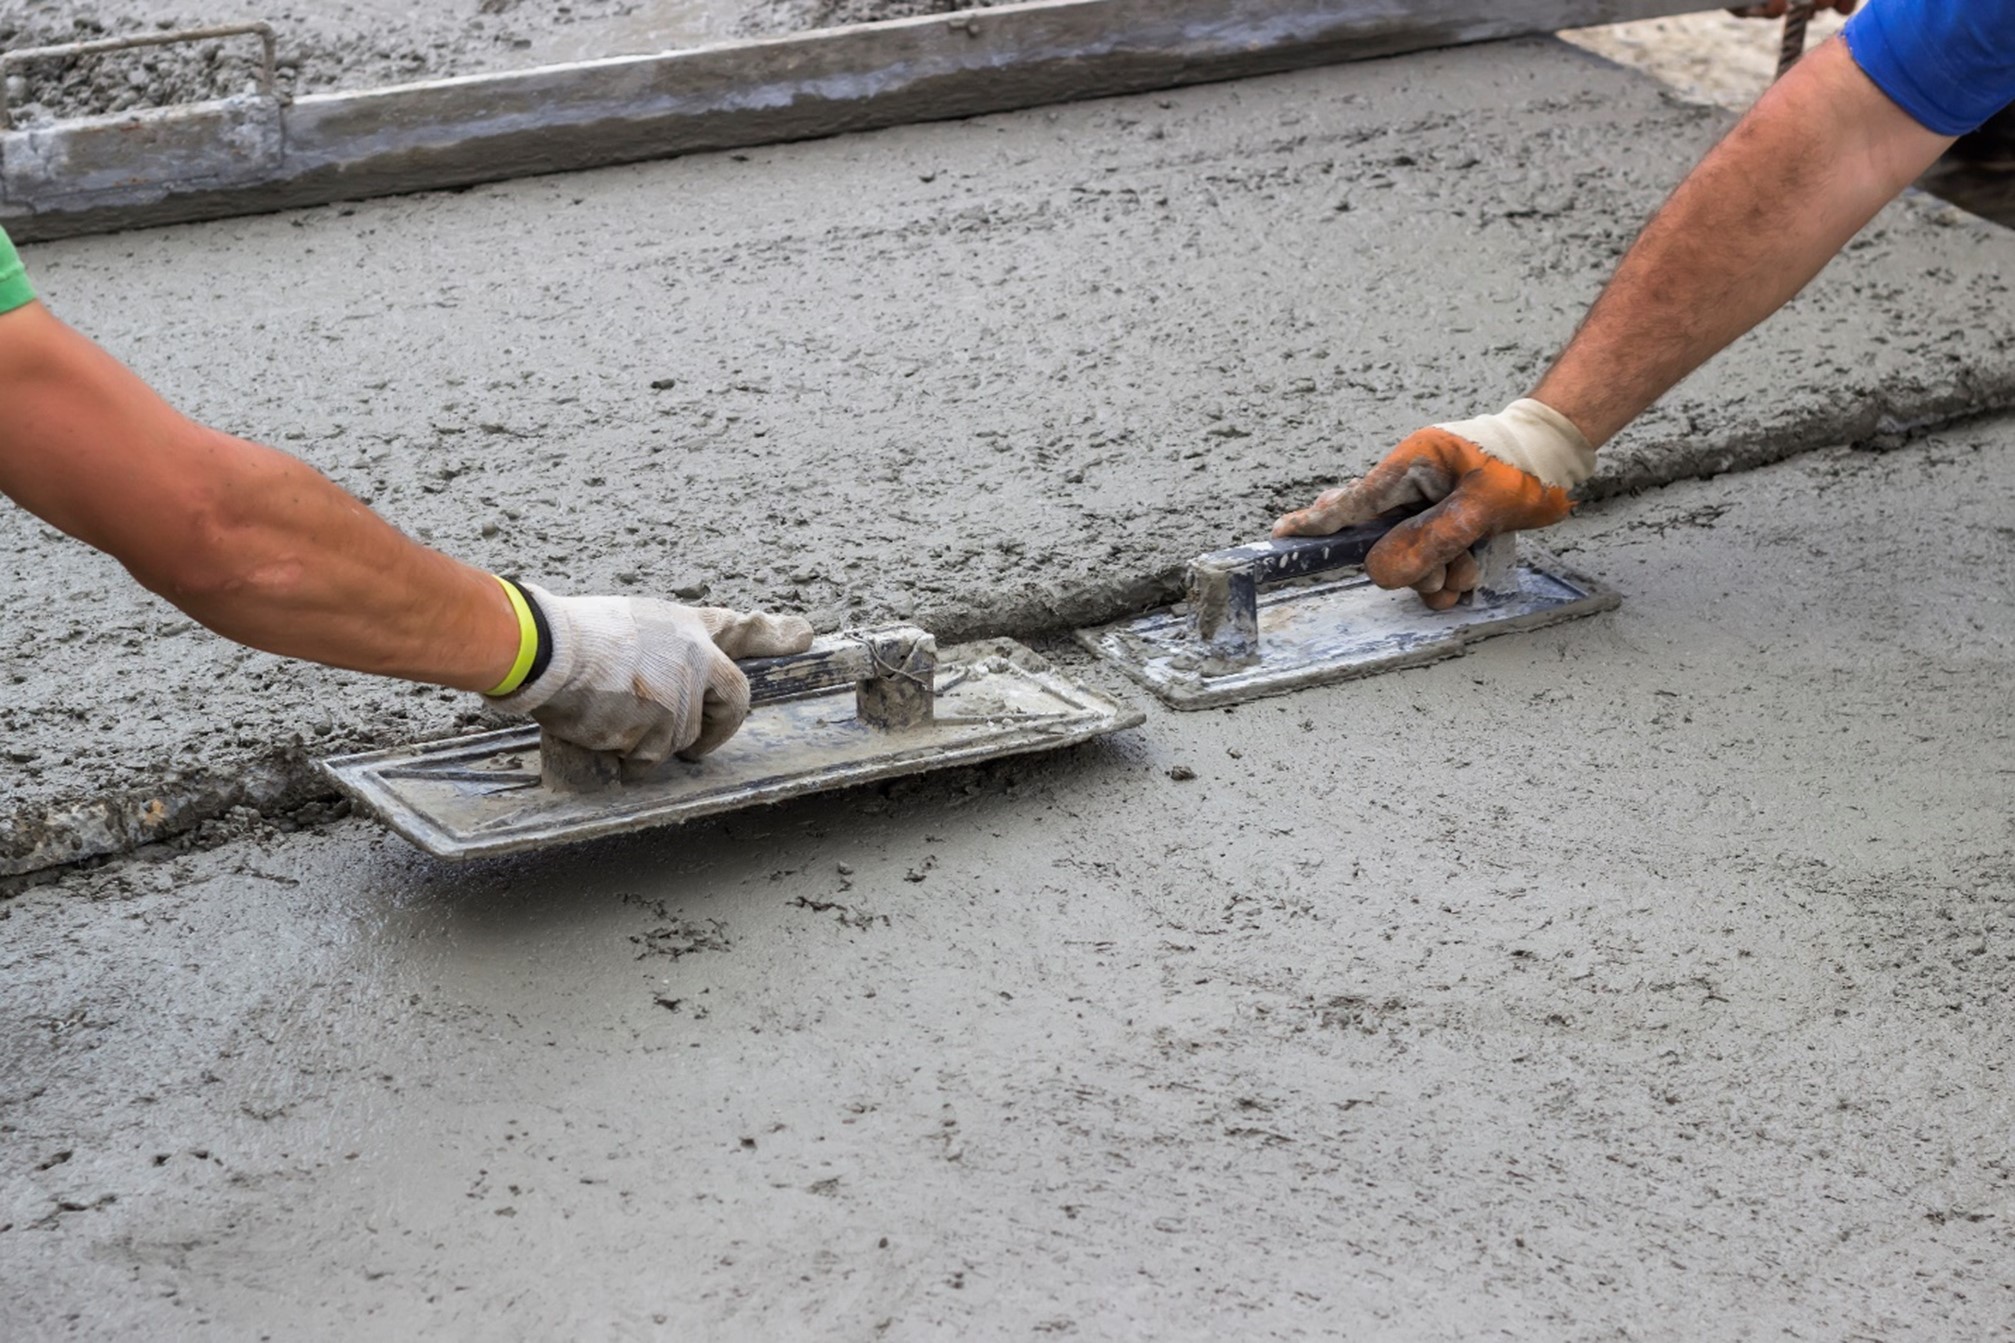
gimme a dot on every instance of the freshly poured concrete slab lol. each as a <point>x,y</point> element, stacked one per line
<point>1644,977</point>
<point>1002,376</point>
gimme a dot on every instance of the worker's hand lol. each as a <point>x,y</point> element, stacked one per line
<point>647,679</point>
<point>1777,9</point>
<point>1472,494</point>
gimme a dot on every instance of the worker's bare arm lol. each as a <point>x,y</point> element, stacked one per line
<point>266,550</point>
<point>1811,163</point>
<point>253,543</point>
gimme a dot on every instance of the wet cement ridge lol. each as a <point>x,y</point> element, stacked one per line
<point>1000,376</point>
<point>1018,614</point>
<point>82,828</point>
<point>256,154</point>
<point>89,826</point>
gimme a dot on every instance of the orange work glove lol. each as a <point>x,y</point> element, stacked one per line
<point>1480,478</point>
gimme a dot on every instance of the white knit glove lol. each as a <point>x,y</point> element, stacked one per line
<point>648,679</point>
<point>1535,438</point>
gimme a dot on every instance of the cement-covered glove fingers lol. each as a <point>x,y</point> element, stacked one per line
<point>1478,478</point>
<point>642,678</point>
<point>736,635</point>
<point>753,634</point>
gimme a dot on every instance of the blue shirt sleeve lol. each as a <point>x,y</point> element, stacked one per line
<point>1949,63</point>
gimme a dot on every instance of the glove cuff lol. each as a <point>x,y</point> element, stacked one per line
<point>553,663</point>
<point>1535,438</point>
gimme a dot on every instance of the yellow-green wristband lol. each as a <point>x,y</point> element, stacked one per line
<point>528,640</point>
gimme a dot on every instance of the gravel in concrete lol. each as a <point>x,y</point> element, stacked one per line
<point>999,375</point>
<point>1641,978</point>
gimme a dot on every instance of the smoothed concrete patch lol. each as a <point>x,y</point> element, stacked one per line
<point>1003,375</point>
<point>1646,977</point>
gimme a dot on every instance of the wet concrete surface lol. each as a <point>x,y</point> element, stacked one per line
<point>1645,977</point>
<point>1002,375</point>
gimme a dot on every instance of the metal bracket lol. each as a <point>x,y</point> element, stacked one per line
<point>893,672</point>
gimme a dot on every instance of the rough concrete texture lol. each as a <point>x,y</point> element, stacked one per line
<point>1002,375</point>
<point>355,44</point>
<point>762,17</point>
<point>1644,978</point>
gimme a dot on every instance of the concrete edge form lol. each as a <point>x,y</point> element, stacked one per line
<point>255,153</point>
<point>96,827</point>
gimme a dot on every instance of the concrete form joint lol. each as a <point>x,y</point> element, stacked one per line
<point>142,157</point>
<point>12,60</point>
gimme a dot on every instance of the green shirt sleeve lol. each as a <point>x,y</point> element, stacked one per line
<point>14,287</point>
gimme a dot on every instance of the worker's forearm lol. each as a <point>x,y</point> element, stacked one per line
<point>297,566</point>
<point>253,543</point>
<point>1811,163</point>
